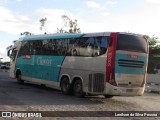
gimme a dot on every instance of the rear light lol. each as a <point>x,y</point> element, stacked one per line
<point>112,79</point>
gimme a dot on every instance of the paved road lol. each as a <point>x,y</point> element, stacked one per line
<point>30,97</point>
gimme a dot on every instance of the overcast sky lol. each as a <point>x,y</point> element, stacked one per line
<point>18,16</point>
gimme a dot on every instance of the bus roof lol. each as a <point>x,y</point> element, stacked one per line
<point>52,36</point>
<point>71,35</point>
<point>64,35</point>
<point>134,34</point>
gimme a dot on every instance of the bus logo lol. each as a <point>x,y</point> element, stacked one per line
<point>27,56</point>
<point>133,56</point>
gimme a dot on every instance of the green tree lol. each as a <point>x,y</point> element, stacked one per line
<point>26,33</point>
<point>72,24</point>
<point>42,26</point>
<point>154,51</point>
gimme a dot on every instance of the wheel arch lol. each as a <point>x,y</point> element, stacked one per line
<point>77,77</point>
<point>64,76</point>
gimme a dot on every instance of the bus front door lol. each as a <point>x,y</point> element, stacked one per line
<point>12,54</point>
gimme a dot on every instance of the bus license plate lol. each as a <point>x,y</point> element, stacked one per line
<point>129,90</point>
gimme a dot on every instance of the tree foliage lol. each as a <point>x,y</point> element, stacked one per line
<point>43,22</point>
<point>26,33</point>
<point>72,24</point>
<point>154,52</point>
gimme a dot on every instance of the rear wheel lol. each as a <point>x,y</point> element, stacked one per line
<point>78,88</point>
<point>65,86</point>
<point>75,53</point>
<point>108,96</point>
<point>19,79</point>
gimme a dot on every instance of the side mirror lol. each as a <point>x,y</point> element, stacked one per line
<point>9,53</point>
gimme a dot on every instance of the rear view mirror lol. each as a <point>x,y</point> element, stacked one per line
<point>9,52</point>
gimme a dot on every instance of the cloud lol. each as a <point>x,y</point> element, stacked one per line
<point>3,2</point>
<point>99,7</point>
<point>13,23</point>
<point>105,14</point>
<point>93,4</point>
<point>19,0</point>
<point>111,2</point>
<point>153,1</point>
<point>96,5</point>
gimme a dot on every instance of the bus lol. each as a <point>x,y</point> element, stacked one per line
<point>105,63</point>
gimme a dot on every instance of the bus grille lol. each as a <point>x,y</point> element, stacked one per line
<point>130,63</point>
<point>96,82</point>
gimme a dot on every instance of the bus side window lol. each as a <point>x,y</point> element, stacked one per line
<point>24,48</point>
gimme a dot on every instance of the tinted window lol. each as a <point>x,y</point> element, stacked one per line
<point>25,48</point>
<point>85,46</point>
<point>91,46</point>
<point>131,43</point>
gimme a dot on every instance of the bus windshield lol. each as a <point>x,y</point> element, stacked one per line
<point>131,43</point>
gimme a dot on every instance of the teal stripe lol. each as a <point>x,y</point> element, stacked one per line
<point>130,70</point>
<point>41,67</point>
<point>45,37</point>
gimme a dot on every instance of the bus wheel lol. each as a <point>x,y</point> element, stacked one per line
<point>96,54</point>
<point>78,88</point>
<point>108,96</point>
<point>65,86</point>
<point>75,53</point>
<point>19,80</point>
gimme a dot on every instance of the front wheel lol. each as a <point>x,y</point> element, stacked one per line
<point>19,79</point>
<point>78,89</point>
<point>74,53</point>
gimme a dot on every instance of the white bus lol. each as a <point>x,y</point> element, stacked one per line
<point>106,63</point>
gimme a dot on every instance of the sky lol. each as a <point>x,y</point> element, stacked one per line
<point>135,16</point>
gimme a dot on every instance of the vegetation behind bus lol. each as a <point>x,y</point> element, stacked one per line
<point>154,54</point>
<point>72,25</point>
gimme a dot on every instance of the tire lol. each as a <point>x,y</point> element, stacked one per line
<point>19,80</point>
<point>75,53</point>
<point>96,54</point>
<point>108,96</point>
<point>78,88</point>
<point>65,86</point>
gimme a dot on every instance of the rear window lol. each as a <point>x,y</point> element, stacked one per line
<point>131,43</point>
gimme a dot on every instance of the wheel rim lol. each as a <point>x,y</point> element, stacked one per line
<point>19,77</point>
<point>65,86</point>
<point>78,89</point>
<point>19,80</point>
<point>74,52</point>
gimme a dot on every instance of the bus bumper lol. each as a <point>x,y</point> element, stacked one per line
<point>123,91</point>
